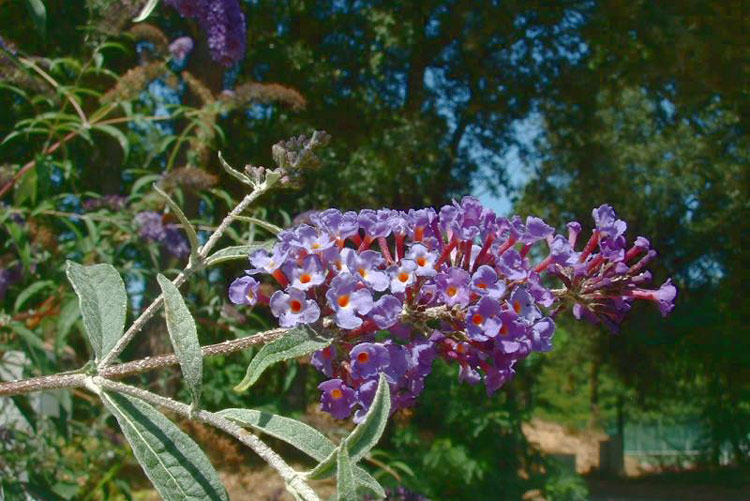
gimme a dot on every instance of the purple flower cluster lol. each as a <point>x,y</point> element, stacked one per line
<point>224,24</point>
<point>151,227</point>
<point>407,287</point>
<point>609,274</point>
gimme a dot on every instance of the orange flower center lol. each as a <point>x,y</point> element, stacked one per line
<point>363,357</point>
<point>362,272</point>
<point>451,291</point>
<point>343,300</point>
<point>477,319</point>
<point>295,306</point>
<point>504,330</point>
<point>403,276</point>
<point>305,278</point>
<point>315,246</point>
<point>482,285</point>
<point>336,394</point>
<point>421,261</point>
<point>517,306</point>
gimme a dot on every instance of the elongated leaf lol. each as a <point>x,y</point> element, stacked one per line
<point>175,464</point>
<point>146,11</point>
<point>30,291</point>
<point>39,14</point>
<point>187,225</point>
<point>236,252</point>
<point>184,336</point>
<point>366,482</point>
<point>232,172</point>
<point>118,135</point>
<point>365,435</point>
<point>295,343</point>
<point>103,303</point>
<point>302,436</point>
<point>263,224</point>
<point>368,432</point>
<point>346,487</point>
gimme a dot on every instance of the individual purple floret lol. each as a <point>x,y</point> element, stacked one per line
<point>483,320</point>
<point>293,308</point>
<point>453,286</point>
<point>365,266</point>
<point>402,275</point>
<point>310,274</point>
<point>386,311</point>
<point>485,283</point>
<point>337,399</point>
<point>244,290</point>
<point>348,302</point>
<point>367,359</point>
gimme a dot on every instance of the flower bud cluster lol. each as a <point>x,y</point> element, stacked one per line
<point>404,288</point>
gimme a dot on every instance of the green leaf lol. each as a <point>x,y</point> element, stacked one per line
<point>184,336</point>
<point>300,435</point>
<point>146,11</point>
<point>365,481</point>
<point>68,315</point>
<point>186,225</point>
<point>295,343</point>
<point>236,252</point>
<point>27,335</point>
<point>39,14</point>
<point>263,224</point>
<point>232,172</point>
<point>118,135</point>
<point>26,188</point>
<point>365,435</point>
<point>346,487</point>
<point>296,433</point>
<point>30,291</point>
<point>173,462</point>
<point>103,303</point>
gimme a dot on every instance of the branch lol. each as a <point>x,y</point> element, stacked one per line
<point>57,381</point>
<point>180,279</point>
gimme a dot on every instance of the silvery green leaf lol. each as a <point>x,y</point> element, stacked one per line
<point>173,462</point>
<point>365,435</point>
<point>184,336</point>
<point>263,224</point>
<point>233,172</point>
<point>236,252</point>
<point>186,225</point>
<point>346,487</point>
<point>297,342</point>
<point>365,481</point>
<point>302,436</point>
<point>103,303</point>
<point>146,11</point>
